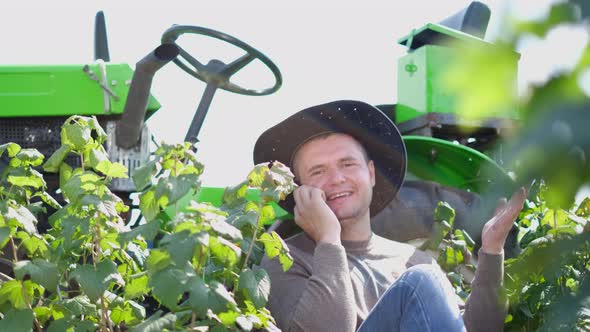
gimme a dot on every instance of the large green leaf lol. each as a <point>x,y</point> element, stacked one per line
<point>233,196</point>
<point>95,281</point>
<point>168,285</point>
<point>174,188</point>
<point>40,271</point>
<point>11,291</point>
<point>149,205</point>
<point>29,157</point>
<point>61,325</point>
<point>4,236</point>
<point>148,230</point>
<point>17,321</point>
<point>156,323</point>
<point>220,299</point>
<point>76,134</point>
<point>225,251</point>
<point>21,217</point>
<point>180,246</point>
<point>53,163</point>
<point>81,183</point>
<point>198,296</point>
<point>112,170</point>
<point>95,157</point>
<point>158,260</point>
<point>12,149</point>
<point>79,305</point>
<point>275,246</point>
<point>142,176</point>
<point>225,229</point>
<point>255,285</point>
<point>137,287</point>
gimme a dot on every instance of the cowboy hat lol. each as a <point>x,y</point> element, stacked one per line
<point>367,124</point>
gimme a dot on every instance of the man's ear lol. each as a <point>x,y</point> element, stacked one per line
<point>371,167</point>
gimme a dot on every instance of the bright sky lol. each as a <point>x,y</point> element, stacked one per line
<point>326,50</point>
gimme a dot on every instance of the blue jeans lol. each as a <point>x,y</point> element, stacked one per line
<point>422,299</point>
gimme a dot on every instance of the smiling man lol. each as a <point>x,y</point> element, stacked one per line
<point>350,161</point>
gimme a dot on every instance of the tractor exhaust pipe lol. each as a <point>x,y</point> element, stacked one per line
<point>129,127</point>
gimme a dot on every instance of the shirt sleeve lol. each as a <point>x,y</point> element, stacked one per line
<point>485,310</point>
<point>318,300</point>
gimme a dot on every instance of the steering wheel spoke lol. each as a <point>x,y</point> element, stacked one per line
<point>190,59</point>
<point>236,65</point>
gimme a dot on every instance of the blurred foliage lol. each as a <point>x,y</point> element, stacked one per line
<point>548,284</point>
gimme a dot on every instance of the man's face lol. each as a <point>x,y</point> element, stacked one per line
<point>337,165</point>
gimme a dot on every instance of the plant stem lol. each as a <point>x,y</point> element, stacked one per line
<point>6,262</point>
<point>5,277</point>
<point>254,237</point>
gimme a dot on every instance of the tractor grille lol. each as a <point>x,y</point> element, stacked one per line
<point>38,133</point>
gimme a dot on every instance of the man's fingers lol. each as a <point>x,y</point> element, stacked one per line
<point>500,205</point>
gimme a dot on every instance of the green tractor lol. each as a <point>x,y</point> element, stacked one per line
<point>36,100</point>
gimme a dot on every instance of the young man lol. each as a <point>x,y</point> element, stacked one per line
<point>350,161</point>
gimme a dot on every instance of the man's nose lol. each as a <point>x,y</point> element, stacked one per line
<point>336,176</point>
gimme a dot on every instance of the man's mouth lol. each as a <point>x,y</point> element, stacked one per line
<point>338,195</point>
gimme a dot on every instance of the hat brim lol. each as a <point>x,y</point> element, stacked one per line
<point>367,124</point>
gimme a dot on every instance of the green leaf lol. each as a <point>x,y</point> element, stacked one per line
<point>80,305</point>
<point>142,176</point>
<point>42,313</point>
<point>256,176</point>
<point>81,183</point>
<point>137,287</point>
<point>33,244</point>
<point>225,251</point>
<point>148,231</point>
<point>61,325</point>
<point>113,170</point>
<point>181,246</point>
<point>17,321</point>
<point>85,326</point>
<point>220,299</point>
<point>12,149</point>
<point>583,209</point>
<point>30,157</point>
<point>444,211</point>
<point>42,272</point>
<point>156,323</point>
<point>94,282</point>
<point>158,260</point>
<point>95,157</point>
<point>22,217</point>
<point>52,164</point>
<point>198,296</point>
<point>224,229</point>
<point>149,205</point>
<point>75,133</point>
<point>275,246</point>
<point>233,196</point>
<point>65,174</point>
<point>168,285</point>
<point>11,291</point>
<point>267,215</point>
<point>255,285</point>
<point>101,135</point>
<point>4,236</point>
<point>174,188</point>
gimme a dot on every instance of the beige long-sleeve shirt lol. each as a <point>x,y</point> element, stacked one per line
<point>334,287</point>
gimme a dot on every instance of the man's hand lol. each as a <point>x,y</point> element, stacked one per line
<point>495,231</point>
<point>314,216</point>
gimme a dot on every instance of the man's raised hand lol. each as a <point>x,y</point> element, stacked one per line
<point>495,231</point>
<point>314,216</point>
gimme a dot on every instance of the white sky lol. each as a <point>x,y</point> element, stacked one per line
<point>326,50</point>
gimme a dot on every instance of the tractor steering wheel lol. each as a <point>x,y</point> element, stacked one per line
<point>216,72</point>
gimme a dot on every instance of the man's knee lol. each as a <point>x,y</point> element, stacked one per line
<point>424,274</point>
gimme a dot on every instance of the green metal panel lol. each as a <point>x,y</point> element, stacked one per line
<point>453,165</point>
<point>61,90</point>
<point>421,73</point>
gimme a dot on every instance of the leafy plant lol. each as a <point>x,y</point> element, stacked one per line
<point>92,272</point>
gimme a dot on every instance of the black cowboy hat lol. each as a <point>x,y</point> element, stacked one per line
<point>367,124</point>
